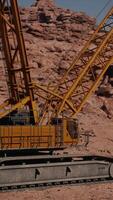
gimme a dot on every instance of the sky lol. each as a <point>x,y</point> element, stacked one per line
<point>91,7</point>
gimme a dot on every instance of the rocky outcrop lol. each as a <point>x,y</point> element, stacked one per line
<point>53,36</point>
<point>46,21</point>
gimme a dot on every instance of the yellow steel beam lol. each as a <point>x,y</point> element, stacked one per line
<point>21,73</point>
<point>19,105</point>
<point>93,88</point>
<point>86,46</point>
<point>43,88</point>
<point>12,86</point>
<point>4,104</point>
<point>80,70</point>
<point>76,82</point>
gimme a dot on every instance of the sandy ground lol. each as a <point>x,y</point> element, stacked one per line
<point>89,192</point>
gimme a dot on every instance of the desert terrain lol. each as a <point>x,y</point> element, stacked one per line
<point>53,37</point>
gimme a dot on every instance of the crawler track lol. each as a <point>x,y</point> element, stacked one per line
<point>45,170</point>
<point>45,185</point>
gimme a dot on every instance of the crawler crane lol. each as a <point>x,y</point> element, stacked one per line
<point>30,133</point>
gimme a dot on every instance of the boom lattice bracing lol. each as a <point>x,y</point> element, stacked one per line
<point>77,84</point>
<point>17,68</point>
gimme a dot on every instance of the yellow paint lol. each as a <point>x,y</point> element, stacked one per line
<point>34,136</point>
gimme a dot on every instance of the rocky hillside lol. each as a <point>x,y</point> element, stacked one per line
<point>53,36</point>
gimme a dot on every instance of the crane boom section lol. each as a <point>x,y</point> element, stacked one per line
<point>17,68</point>
<point>81,79</point>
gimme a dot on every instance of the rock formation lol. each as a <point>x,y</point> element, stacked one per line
<point>53,36</point>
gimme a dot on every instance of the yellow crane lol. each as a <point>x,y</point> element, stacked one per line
<point>26,129</point>
<point>49,127</point>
